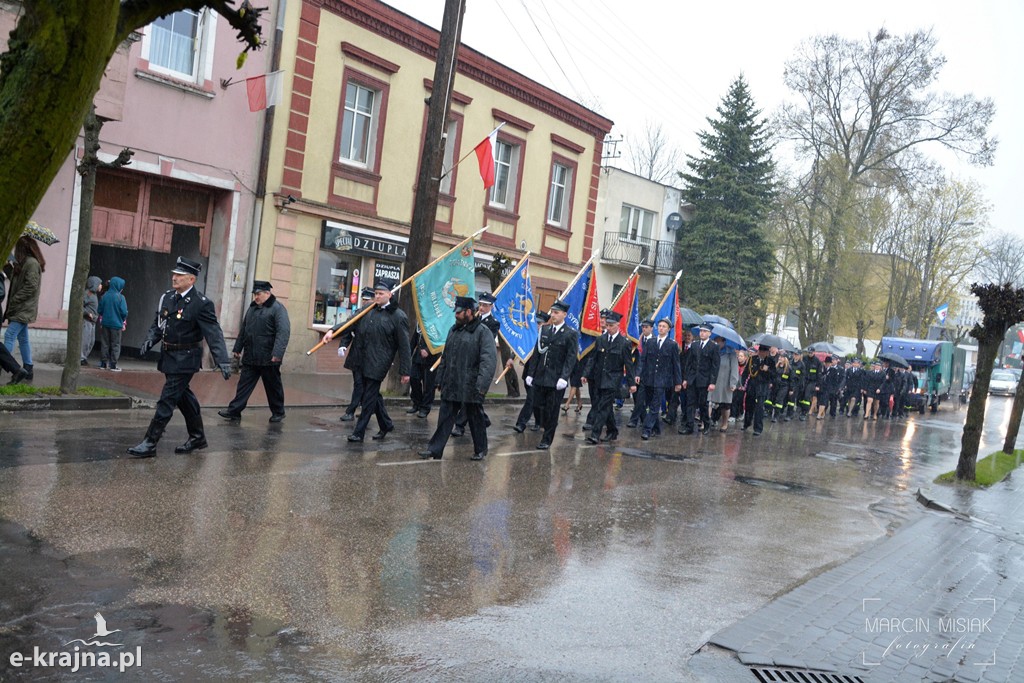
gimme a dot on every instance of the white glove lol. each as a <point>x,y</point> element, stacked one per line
<point>342,350</point>
<point>529,381</point>
<point>561,384</point>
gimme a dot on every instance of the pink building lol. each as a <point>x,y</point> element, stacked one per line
<point>175,97</point>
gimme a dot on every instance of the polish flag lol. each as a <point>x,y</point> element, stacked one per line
<point>485,157</point>
<point>264,91</point>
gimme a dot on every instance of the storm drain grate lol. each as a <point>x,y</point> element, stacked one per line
<point>772,674</point>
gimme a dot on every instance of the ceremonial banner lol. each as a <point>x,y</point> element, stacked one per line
<point>628,307</point>
<point>435,288</point>
<point>669,309</point>
<point>514,308</point>
<point>584,314</point>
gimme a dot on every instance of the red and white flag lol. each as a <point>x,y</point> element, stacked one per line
<point>485,157</point>
<point>264,91</point>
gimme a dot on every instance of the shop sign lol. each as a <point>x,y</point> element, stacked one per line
<point>338,239</point>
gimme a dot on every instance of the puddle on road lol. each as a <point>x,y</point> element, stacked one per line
<point>649,455</point>
<point>785,486</point>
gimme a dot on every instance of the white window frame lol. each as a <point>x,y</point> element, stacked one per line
<point>633,216</point>
<point>202,61</point>
<point>451,132</point>
<point>345,155</point>
<point>503,192</point>
<point>558,197</point>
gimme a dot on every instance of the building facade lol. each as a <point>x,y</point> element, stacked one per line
<point>344,161</point>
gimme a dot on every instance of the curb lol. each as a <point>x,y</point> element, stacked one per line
<point>67,403</point>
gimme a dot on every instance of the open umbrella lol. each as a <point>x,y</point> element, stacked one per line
<point>732,338</point>
<point>717,319</point>
<point>778,342</point>
<point>826,347</point>
<point>690,317</point>
<point>38,232</point>
<point>894,359</point>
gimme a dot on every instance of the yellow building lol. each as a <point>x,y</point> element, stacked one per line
<point>344,154</point>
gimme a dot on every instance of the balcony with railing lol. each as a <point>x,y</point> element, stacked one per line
<point>656,255</point>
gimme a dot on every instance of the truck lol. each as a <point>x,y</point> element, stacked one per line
<point>938,365</point>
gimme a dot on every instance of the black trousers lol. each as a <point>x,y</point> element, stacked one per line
<point>754,411</point>
<point>177,394</point>
<point>251,375</point>
<point>372,404</point>
<point>446,420</point>
<point>697,402</point>
<point>357,393</point>
<point>530,407</point>
<point>422,386</point>
<point>639,406</point>
<point>652,415</point>
<point>7,361</point>
<point>550,401</point>
<point>603,413</point>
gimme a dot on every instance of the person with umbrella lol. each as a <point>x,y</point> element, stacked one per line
<point>728,380</point>
<point>23,299</point>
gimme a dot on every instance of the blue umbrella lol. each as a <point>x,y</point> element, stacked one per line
<point>719,320</point>
<point>732,338</point>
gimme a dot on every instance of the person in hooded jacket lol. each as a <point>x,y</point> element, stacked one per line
<point>261,346</point>
<point>90,314</point>
<point>113,310</point>
<point>23,298</point>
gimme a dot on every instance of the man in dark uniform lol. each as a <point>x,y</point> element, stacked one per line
<point>658,371</point>
<point>530,406</point>
<point>485,308</point>
<point>261,346</point>
<point>854,377</point>
<point>609,361</point>
<point>467,367</point>
<point>184,318</point>
<point>556,350</point>
<point>812,382</point>
<point>422,381</point>
<point>833,381</point>
<point>348,348</point>
<point>639,397</point>
<point>381,333</point>
<point>759,373</point>
<point>701,372</point>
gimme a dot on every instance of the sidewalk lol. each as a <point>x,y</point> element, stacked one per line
<point>940,600</point>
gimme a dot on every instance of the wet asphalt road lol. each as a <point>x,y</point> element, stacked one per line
<point>282,552</point>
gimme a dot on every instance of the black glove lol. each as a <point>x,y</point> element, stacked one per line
<point>225,369</point>
<point>146,346</point>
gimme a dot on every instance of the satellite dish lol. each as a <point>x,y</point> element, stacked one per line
<point>522,245</point>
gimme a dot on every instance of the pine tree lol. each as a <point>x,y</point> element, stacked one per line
<point>725,253</point>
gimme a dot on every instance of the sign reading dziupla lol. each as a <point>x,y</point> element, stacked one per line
<point>338,239</point>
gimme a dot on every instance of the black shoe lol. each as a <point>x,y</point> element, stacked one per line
<point>756,433</point>
<point>803,418</point>
<point>744,428</point>
<point>427,455</point>
<point>423,413</point>
<point>412,410</point>
<point>146,449</point>
<point>588,428</point>
<point>519,429</point>
<point>347,417</point>
<point>610,437</point>
<point>686,430</point>
<point>535,428</point>
<point>705,429</point>
<point>193,444</point>
<point>645,436</point>
<point>591,439</point>
<point>277,418</point>
<point>28,373</point>
<point>381,434</point>
<point>354,438</point>
<point>631,424</point>
<point>458,431</point>
<point>774,419</point>
<point>479,456</point>
<point>543,446</point>
<point>84,363</point>
<point>18,377</point>
<point>234,417</point>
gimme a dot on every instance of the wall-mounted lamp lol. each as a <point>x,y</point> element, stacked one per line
<point>285,202</point>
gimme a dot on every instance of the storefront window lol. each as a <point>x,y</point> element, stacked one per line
<point>337,289</point>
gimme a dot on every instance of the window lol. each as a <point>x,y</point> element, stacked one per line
<point>357,129</point>
<point>174,43</point>
<point>558,200</point>
<point>635,225</point>
<point>333,301</point>
<point>506,165</point>
<point>449,156</point>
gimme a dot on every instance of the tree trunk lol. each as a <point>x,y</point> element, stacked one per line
<point>971,438</point>
<point>69,377</point>
<point>1015,414</point>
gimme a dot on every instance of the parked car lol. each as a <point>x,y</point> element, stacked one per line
<point>1003,383</point>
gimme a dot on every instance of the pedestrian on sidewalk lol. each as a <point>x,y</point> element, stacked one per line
<point>349,349</point>
<point>90,313</point>
<point>466,370</point>
<point>261,346</point>
<point>113,310</point>
<point>23,298</point>
<point>184,318</point>
<point>7,361</point>
<point>381,333</point>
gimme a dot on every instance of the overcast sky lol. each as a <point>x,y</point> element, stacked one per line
<point>671,62</point>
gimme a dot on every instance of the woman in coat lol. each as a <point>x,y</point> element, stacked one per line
<point>728,380</point>
<point>23,298</point>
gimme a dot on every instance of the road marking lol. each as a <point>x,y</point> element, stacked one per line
<point>407,462</point>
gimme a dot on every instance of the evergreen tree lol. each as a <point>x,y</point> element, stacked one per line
<point>725,252</point>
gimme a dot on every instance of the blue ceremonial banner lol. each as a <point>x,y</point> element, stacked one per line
<point>633,325</point>
<point>514,308</point>
<point>669,309</point>
<point>434,291</point>
<point>584,309</point>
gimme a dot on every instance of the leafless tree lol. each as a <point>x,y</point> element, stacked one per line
<point>652,155</point>
<point>1002,260</point>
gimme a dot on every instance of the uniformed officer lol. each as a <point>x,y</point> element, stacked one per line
<point>484,313</point>
<point>530,406</point>
<point>422,381</point>
<point>699,379</point>
<point>348,348</point>
<point>183,319</point>
<point>759,372</point>
<point>639,400</point>
<point>261,346</point>
<point>659,370</point>
<point>557,347</point>
<point>467,367</point>
<point>606,365</point>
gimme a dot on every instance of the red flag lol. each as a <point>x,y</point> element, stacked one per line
<point>623,304</point>
<point>264,91</point>
<point>590,320</point>
<point>485,157</point>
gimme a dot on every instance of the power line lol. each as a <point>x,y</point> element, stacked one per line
<point>543,40</point>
